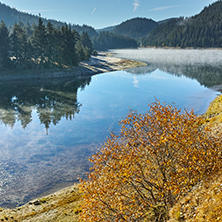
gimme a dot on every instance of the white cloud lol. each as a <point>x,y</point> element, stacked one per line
<point>135,82</point>
<point>93,11</point>
<point>164,8</point>
<point>136,5</point>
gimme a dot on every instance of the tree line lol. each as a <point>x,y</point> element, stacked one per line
<point>202,30</point>
<point>108,40</point>
<point>46,47</point>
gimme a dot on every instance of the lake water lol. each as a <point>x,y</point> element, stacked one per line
<point>49,129</point>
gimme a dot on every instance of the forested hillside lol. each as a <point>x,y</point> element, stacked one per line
<point>109,40</point>
<point>10,16</point>
<point>135,28</point>
<point>47,47</point>
<point>124,35</point>
<point>202,30</point>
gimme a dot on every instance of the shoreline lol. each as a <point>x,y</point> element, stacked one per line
<point>65,202</point>
<point>104,62</point>
<point>40,207</point>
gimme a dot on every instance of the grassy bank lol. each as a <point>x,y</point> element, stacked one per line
<point>61,206</point>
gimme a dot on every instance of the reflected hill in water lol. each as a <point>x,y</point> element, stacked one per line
<point>57,99</point>
<point>208,76</point>
<point>52,100</point>
<point>143,70</point>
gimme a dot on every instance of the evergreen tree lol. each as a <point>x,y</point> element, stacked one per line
<point>39,42</point>
<point>29,30</point>
<point>51,42</point>
<point>19,46</point>
<point>86,42</point>
<point>80,52</point>
<point>4,46</point>
<point>68,54</point>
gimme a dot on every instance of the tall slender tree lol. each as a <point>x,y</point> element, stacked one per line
<point>51,43</point>
<point>86,42</point>
<point>39,42</point>
<point>4,46</point>
<point>68,53</point>
<point>19,46</point>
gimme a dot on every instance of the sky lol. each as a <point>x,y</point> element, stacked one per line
<point>105,13</point>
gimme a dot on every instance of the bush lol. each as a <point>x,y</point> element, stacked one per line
<point>157,158</point>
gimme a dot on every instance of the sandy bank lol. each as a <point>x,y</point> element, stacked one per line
<point>104,62</point>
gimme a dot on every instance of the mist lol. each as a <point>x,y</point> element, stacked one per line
<point>178,57</point>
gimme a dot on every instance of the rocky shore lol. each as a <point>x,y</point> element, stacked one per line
<point>104,62</point>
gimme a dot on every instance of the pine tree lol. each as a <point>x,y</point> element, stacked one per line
<point>19,46</point>
<point>4,46</point>
<point>80,50</point>
<point>50,49</point>
<point>67,47</point>
<point>39,42</point>
<point>86,42</point>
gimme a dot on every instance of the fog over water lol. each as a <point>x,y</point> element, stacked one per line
<point>173,56</point>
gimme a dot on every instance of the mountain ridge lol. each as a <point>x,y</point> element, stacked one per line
<point>135,27</point>
<point>10,16</point>
<point>201,30</point>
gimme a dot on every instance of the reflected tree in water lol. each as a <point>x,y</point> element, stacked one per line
<point>207,75</point>
<point>52,101</point>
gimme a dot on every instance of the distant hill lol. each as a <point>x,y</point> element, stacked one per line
<point>135,28</point>
<point>107,29</point>
<point>165,21</point>
<point>109,40</point>
<point>10,16</point>
<point>201,30</point>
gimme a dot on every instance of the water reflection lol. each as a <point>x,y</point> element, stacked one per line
<point>52,100</point>
<point>208,76</point>
<point>32,162</point>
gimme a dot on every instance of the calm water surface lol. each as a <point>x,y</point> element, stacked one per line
<point>49,129</point>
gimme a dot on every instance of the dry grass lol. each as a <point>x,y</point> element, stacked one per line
<point>61,206</point>
<point>214,114</point>
<point>204,203</point>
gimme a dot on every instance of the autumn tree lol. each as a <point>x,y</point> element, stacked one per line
<point>157,158</point>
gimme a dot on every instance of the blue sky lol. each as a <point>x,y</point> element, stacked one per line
<point>103,13</point>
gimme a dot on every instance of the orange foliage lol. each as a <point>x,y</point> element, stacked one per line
<point>157,158</point>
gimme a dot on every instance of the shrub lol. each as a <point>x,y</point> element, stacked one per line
<point>155,160</point>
